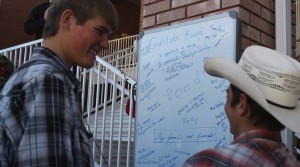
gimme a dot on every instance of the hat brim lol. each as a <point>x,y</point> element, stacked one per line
<point>224,68</point>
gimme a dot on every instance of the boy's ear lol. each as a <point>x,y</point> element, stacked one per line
<point>67,18</point>
<point>244,106</point>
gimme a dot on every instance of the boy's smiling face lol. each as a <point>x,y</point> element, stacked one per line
<point>86,41</point>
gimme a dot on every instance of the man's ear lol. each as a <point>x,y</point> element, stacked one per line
<point>244,106</point>
<point>67,18</point>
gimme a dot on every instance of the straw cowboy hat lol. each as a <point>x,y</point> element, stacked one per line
<point>269,77</point>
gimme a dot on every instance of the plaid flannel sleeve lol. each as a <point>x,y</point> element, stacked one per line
<point>36,124</point>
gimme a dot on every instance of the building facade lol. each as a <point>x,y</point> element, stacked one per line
<point>257,19</point>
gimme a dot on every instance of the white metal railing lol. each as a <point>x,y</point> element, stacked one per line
<point>105,90</point>
<point>19,54</point>
<point>124,60</point>
<point>119,44</point>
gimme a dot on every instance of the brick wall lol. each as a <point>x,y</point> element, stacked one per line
<point>257,16</point>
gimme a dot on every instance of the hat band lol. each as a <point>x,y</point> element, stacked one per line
<point>281,106</point>
<point>282,89</point>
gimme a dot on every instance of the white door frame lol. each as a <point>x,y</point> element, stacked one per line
<point>283,36</point>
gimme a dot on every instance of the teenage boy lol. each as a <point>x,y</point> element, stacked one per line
<point>40,114</point>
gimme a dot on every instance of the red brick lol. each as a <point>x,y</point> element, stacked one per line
<point>171,15</point>
<point>245,43</point>
<point>179,3</point>
<point>203,7</point>
<point>251,32</point>
<point>293,8</point>
<point>294,55</point>
<point>254,43</point>
<point>244,15</point>
<point>251,6</point>
<point>272,30</point>
<point>272,7</point>
<point>267,40</point>
<point>187,19</point>
<point>294,31</point>
<point>293,17</point>
<point>157,26</point>
<point>293,42</point>
<point>229,3</point>
<point>255,20</point>
<point>221,11</point>
<point>148,1</point>
<point>261,24</point>
<point>149,21</point>
<point>267,15</point>
<point>265,3</point>
<point>156,7</point>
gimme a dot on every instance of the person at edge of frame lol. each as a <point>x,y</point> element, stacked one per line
<point>261,100</point>
<point>40,116</point>
<point>36,20</point>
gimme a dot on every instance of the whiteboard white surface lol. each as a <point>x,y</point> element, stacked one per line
<point>180,108</point>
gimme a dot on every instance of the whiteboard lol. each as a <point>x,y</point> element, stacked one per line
<point>180,108</point>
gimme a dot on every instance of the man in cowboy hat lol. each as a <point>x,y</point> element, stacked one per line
<point>261,101</point>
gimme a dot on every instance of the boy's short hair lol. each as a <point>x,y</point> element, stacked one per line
<point>258,114</point>
<point>83,10</point>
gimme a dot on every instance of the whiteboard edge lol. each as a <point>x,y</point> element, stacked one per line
<point>232,14</point>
